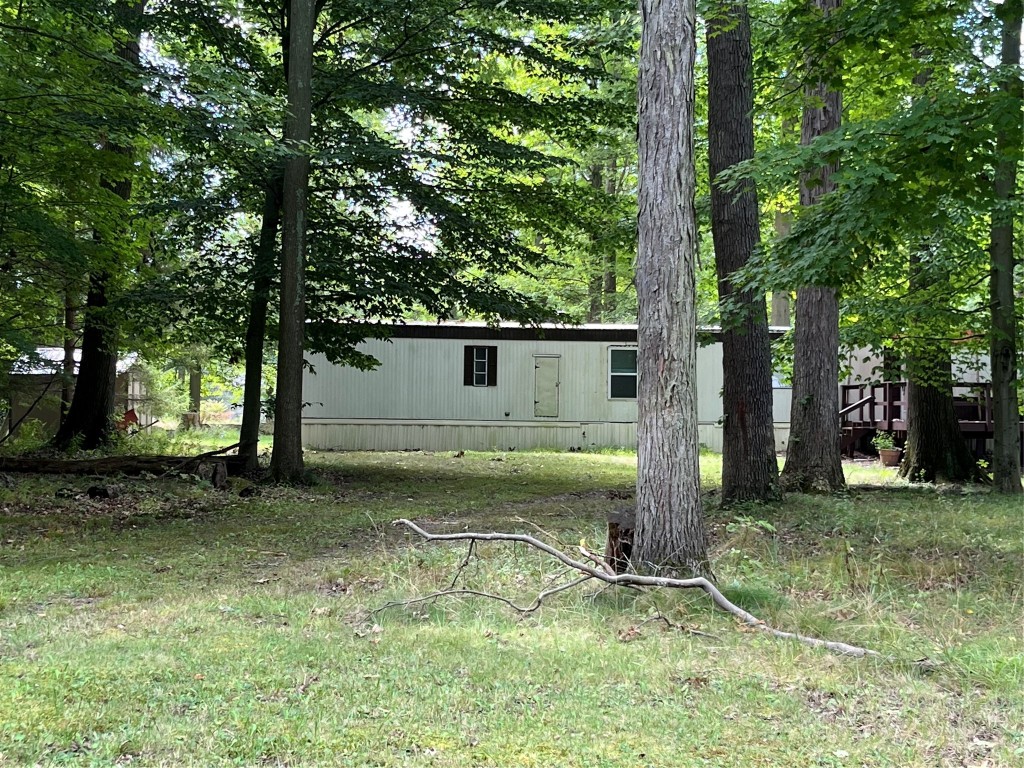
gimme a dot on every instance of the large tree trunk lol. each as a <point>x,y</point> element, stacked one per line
<point>256,329</point>
<point>89,418</point>
<point>669,521</point>
<point>1006,469</point>
<point>813,461</point>
<point>749,468</point>
<point>286,462</point>
<point>935,448</point>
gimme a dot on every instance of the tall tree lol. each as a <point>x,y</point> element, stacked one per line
<point>88,421</point>
<point>669,523</point>
<point>935,447</point>
<point>813,461</point>
<point>286,462</point>
<point>263,269</point>
<point>749,467</point>
<point>1006,469</point>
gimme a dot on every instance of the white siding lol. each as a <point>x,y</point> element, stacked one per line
<point>416,399</point>
<point>422,379</point>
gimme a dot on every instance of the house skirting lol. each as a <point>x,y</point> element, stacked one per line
<point>427,435</point>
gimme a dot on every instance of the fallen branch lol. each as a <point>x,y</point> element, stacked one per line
<point>161,466</point>
<point>625,579</point>
<point>537,601</point>
<point>463,564</point>
<point>669,624</point>
<point>196,460</point>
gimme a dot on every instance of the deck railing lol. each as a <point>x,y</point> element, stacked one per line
<point>883,406</point>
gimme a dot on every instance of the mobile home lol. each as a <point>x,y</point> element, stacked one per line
<point>466,386</point>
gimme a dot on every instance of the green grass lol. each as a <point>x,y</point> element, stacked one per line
<point>175,625</point>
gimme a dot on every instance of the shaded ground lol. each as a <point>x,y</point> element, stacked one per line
<point>176,625</point>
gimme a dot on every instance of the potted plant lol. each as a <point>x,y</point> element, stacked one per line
<point>887,450</point>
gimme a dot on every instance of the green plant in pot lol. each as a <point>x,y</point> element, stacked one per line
<point>887,450</point>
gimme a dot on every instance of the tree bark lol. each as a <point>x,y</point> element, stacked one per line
<point>780,313</point>
<point>749,467</point>
<point>286,462</point>
<point>610,303</point>
<point>935,448</point>
<point>67,386</point>
<point>669,522</point>
<point>596,260</point>
<point>195,389</point>
<point>256,329</point>
<point>813,461</point>
<point>781,316</point>
<point>1006,469</point>
<point>89,418</point>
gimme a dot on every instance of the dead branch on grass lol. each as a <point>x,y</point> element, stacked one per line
<point>463,564</point>
<point>625,579</point>
<point>537,601</point>
<point>669,624</point>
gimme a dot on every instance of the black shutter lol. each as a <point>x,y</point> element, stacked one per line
<point>467,366</point>
<point>492,366</point>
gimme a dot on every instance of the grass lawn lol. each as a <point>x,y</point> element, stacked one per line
<point>176,625</point>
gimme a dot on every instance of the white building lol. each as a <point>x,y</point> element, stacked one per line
<point>466,386</point>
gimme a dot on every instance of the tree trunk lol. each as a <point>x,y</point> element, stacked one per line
<point>1006,469</point>
<point>594,295</point>
<point>67,387</point>
<point>195,389</point>
<point>749,467</point>
<point>286,462</point>
<point>813,461</point>
<point>780,313</point>
<point>610,303</point>
<point>596,260</point>
<point>781,316</point>
<point>669,521</point>
<point>256,329</point>
<point>935,448</point>
<point>89,418</point>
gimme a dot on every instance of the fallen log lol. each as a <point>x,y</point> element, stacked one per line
<point>125,465</point>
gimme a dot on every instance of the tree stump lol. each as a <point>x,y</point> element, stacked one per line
<point>103,492</point>
<point>619,548</point>
<point>214,472</point>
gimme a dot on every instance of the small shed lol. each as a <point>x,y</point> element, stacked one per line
<point>34,387</point>
<point>469,386</point>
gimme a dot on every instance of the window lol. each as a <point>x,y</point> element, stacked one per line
<point>622,373</point>
<point>480,367</point>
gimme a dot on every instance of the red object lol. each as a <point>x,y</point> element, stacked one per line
<point>130,419</point>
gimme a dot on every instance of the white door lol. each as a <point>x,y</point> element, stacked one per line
<point>545,390</point>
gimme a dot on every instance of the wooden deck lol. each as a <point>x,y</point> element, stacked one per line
<point>869,408</point>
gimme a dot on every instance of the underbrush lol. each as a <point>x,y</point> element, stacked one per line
<point>176,625</point>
